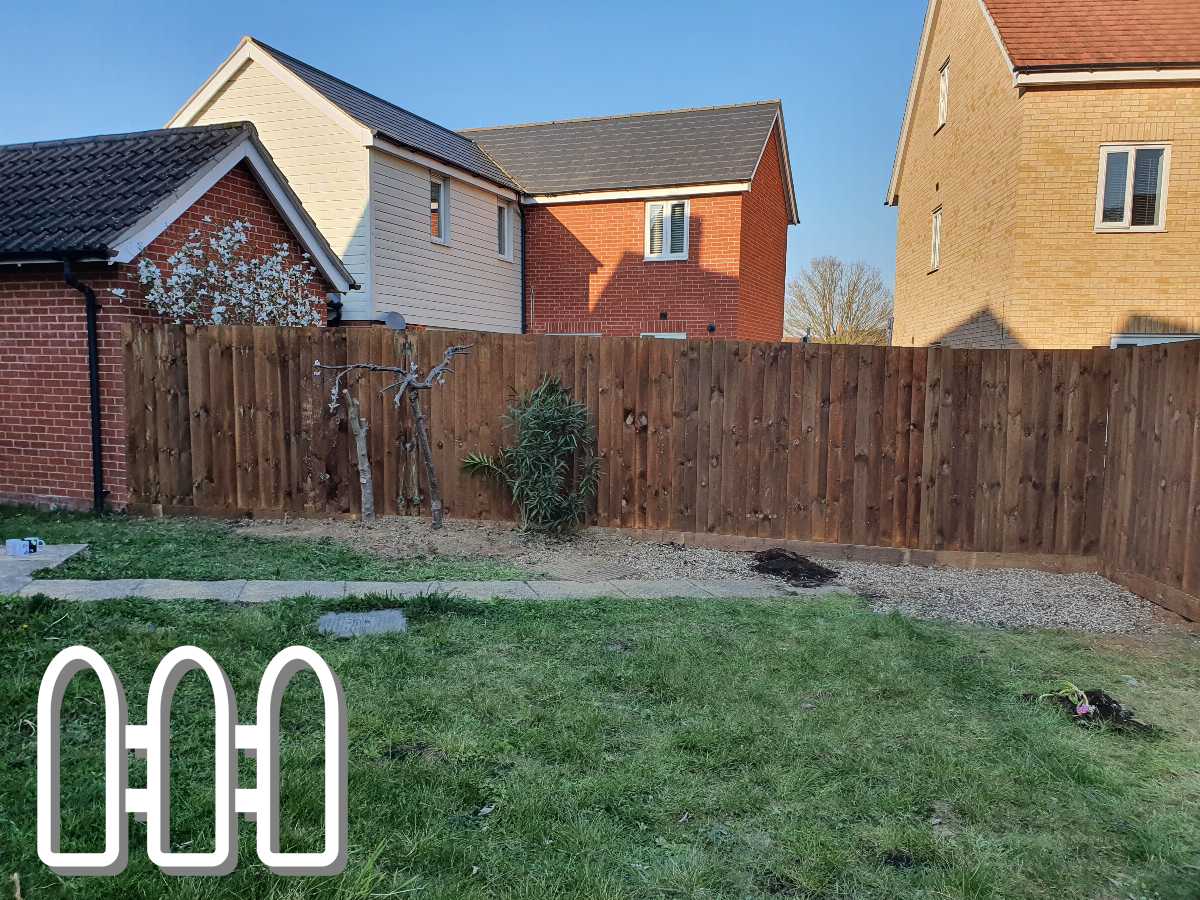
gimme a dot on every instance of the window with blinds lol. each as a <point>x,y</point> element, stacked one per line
<point>439,219</point>
<point>667,229</point>
<point>504,231</point>
<point>1132,190</point>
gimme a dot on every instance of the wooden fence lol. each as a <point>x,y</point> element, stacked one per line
<point>1151,522</point>
<point>925,448</point>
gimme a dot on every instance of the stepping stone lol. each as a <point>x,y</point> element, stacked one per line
<point>349,624</point>
<point>47,558</point>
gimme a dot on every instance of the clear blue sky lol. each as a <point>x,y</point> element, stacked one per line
<point>841,69</point>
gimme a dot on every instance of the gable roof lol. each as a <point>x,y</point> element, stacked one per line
<point>394,122</point>
<point>1098,33</point>
<point>711,145</point>
<point>106,197</point>
<point>718,145</point>
<point>1075,42</point>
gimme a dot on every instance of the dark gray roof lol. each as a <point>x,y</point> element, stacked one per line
<point>76,197</point>
<point>679,147</point>
<point>395,123</point>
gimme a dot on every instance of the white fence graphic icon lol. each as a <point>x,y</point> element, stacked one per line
<point>259,804</point>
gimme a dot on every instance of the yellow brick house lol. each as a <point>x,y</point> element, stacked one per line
<point>1047,176</point>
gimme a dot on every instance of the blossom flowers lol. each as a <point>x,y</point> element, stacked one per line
<point>215,281</point>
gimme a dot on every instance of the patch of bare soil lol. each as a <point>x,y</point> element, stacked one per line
<point>591,555</point>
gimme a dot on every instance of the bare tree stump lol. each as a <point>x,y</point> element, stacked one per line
<point>358,428</point>
<point>435,490</point>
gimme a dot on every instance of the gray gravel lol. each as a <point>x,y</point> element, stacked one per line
<point>1014,598</point>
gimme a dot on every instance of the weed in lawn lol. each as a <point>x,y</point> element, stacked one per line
<point>685,767</point>
<point>193,549</point>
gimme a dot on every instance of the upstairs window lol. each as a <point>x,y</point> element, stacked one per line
<point>439,212</point>
<point>504,231</point>
<point>935,261</point>
<point>944,94</point>
<point>1132,193</point>
<point>667,230</point>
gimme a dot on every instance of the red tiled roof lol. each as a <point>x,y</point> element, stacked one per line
<point>1044,33</point>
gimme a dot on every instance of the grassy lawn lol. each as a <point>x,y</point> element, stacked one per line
<point>703,748</point>
<point>123,547</point>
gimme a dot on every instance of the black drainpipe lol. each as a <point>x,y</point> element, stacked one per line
<point>89,297</point>
<point>521,213</point>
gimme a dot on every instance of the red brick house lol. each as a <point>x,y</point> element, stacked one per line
<point>655,223</point>
<point>76,216</point>
<point>671,223</point>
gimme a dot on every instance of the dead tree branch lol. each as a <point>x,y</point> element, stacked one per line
<point>409,384</point>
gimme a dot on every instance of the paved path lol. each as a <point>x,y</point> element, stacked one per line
<point>263,591</point>
<point>15,578</point>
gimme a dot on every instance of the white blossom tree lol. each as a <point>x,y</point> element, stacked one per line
<point>219,281</point>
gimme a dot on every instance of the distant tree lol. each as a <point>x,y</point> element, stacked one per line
<point>835,302</point>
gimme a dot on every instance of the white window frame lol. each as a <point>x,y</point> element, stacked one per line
<point>666,254</point>
<point>507,210</point>
<point>1125,225</point>
<point>1146,340</point>
<point>935,240</point>
<point>665,335</point>
<point>943,94</point>
<point>443,208</point>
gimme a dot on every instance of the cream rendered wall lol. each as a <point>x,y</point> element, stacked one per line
<point>325,165</point>
<point>460,284</point>
<point>968,168</point>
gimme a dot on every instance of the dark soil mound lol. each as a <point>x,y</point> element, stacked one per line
<point>792,567</point>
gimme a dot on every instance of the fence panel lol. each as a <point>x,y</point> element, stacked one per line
<point>922,448</point>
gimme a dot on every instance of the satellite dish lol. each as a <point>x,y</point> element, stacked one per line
<point>394,321</point>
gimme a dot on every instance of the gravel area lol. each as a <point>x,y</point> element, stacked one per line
<point>1013,598</point>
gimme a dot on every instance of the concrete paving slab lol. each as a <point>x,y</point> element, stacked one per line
<point>576,590</point>
<point>741,587</point>
<point>80,589</point>
<point>12,584</point>
<point>47,558</point>
<point>168,589</point>
<point>379,621</point>
<point>266,591</point>
<point>391,588</point>
<point>655,588</point>
<point>488,590</point>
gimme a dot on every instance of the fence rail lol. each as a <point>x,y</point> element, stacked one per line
<point>922,448</point>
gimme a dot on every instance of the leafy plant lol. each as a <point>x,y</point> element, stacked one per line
<point>551,470</point>
<point>1076,697</point>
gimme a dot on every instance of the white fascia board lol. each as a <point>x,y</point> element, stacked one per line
<point>696,190</point>
<point>378,142</point>
<point>142,233</point>
<point>246,51</point>
<point>1106,76</point>
<point>785,164</point>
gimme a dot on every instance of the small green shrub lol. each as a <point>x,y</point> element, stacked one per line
<point>551,470</point>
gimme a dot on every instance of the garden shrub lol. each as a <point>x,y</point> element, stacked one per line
<point>551,470</point>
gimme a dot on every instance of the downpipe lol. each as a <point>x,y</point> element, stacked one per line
<point>93,348</point>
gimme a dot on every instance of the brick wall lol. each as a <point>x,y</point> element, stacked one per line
<point>585,270</point>
<point>1077,288</point>
<point>969,169</point>
<point>764,251</point>
<point>45,426</point>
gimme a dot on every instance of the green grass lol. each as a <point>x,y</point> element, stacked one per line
<point>194,549</point>
<point>704,748</point>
